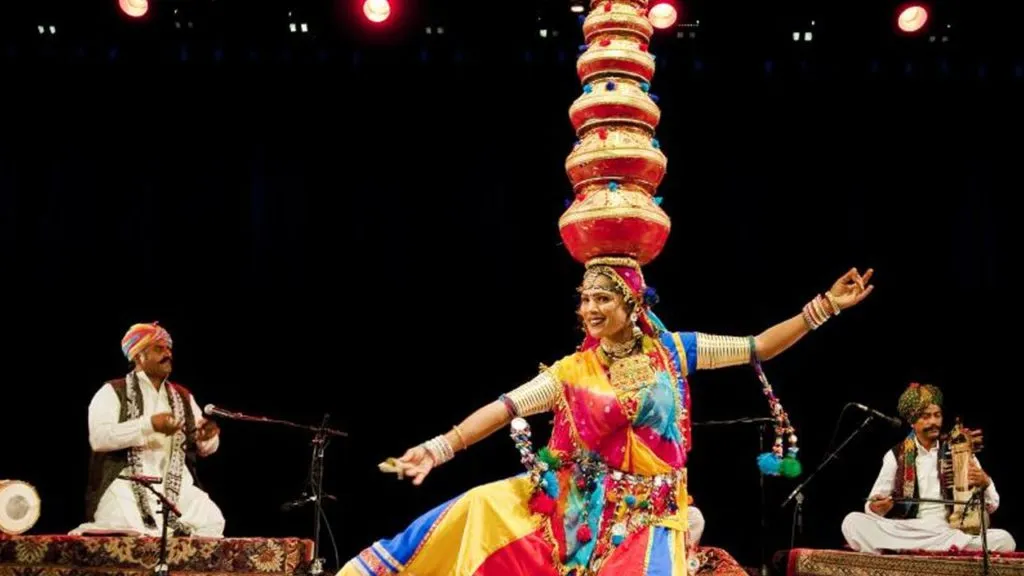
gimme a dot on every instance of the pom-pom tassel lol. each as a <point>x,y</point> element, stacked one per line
<point>769,464</point>
<point>658,200</point>
<point>653,97</point>
<point>645,87</point>
<point>550,484</point>
<point>588,89</point>
<point>790,467</point>
<point>613,186</point>
<point>545,455</point>
<point>650,294</point>
<point>583,535</point>
<point>542,504</point>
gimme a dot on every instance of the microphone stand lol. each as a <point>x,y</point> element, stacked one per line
<point>321,437</point>
<point>984,532</point>
<point>316,483</point>
<point>762,423</point>
<point>166,509</point>
<point>797,493</point>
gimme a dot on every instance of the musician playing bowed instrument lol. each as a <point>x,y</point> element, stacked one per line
<point>912,470</point>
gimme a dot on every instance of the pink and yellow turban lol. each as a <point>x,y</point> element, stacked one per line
<point>141,336</point>
<point>916,398</point>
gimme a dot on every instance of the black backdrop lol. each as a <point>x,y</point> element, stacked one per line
<point>376,238</point>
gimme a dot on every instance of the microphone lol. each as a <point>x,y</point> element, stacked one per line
<point>306,499</point>
<point>894,422</point>
<point>211,410</point>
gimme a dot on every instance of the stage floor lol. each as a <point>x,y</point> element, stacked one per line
<point>809,562</point>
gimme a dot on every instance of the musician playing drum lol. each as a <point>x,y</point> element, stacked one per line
<point>911,470</point>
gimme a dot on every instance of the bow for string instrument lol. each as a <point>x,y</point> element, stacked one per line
<point>957,455</point>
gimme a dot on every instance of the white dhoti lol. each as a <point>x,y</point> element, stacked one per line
<point>118,513</point>
<point>117,510</point>
<point>929,530</point>
<point>696,524</point>
<point>872,534</point>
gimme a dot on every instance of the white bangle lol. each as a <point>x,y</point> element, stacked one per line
<point>440,450</point>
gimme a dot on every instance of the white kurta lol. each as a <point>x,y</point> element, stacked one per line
<point>117,510</point>
<point>696,524</point>
<point>869,532</point>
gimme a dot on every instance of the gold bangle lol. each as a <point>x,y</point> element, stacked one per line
<point>832,302</point>
<point>462,439</point>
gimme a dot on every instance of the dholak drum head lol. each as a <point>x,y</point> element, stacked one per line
<point>19,506</point>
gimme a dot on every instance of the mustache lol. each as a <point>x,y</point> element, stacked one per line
<point>931,428</point>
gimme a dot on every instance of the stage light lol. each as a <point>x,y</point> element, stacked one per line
<point>377,11</point>
<point>134,8</point>
<point>912,18</point>
<point>663,15</point>
<point>576,9</point>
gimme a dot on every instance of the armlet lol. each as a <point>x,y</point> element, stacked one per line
<point>536,396</point>
<point>721,351</point>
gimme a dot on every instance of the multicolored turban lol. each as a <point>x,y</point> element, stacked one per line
<point>916,398</point>
<point>141,336</point>
<point>627,276</point>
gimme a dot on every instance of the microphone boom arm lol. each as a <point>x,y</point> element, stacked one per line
<point>211,410</point>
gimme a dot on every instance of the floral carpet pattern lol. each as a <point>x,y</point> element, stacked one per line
<point>135,556</point>
<point>808,562</point>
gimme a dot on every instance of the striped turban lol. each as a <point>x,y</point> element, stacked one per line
<point>916,398</point>
<point>141,336</point>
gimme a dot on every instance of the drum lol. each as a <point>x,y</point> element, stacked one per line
<point>19,506</point>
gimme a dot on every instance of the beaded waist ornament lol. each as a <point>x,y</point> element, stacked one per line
<point>628,502</point>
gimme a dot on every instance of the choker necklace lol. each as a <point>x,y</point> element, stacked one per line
<point>619,351</point>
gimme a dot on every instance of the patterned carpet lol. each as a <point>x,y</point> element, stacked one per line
<point>808,562</point>
<point>133,556</point>
<point>718,562</point>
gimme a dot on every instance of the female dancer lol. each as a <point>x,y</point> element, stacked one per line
<point>608,496</point>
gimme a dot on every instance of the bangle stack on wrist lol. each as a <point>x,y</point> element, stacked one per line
<point>440,450</point>
<point>820,310</point>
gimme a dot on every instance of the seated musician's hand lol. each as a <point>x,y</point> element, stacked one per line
<point>976,476</point>
<point>881,505</point>
<point>976,436</point>
<point>207,431</point>
<point>417,463</point>
<point>165,423</point>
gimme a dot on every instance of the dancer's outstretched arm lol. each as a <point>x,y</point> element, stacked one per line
<point>848,291</point>
<point>536,396</point>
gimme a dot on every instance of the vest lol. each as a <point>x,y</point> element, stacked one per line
<point>105,467</point>
<point>906,454</point>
